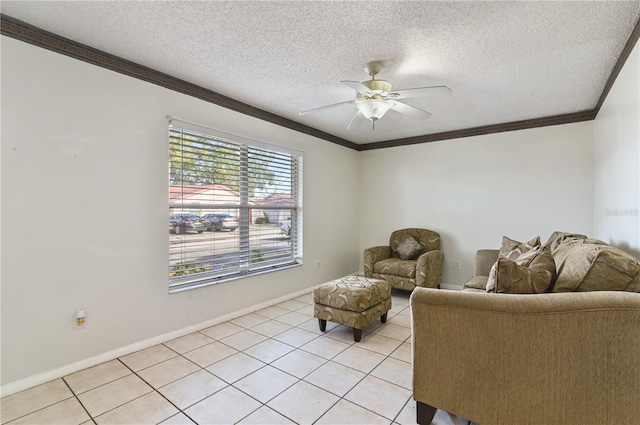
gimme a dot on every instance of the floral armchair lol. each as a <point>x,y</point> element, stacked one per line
<point>413,258</point>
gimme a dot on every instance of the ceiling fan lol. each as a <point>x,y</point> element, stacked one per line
<point>375,97</point>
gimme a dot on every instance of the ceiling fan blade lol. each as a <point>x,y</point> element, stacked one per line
<point>409,110</point>
<point>359,87</point>
<point>356,121</point>
<point>333,105</point>
<point>420,92</point>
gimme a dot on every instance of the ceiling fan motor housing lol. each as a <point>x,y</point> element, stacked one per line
<point>378,85</point>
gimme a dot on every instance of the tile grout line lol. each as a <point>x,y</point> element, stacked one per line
<point>309,373</point>
<point>359,381</point>
<point>316,336</point>
<point>387,356</point>
<point>228,383</point>
<point>78,398</point>
<point>73,395</point>
<point>155,389</point>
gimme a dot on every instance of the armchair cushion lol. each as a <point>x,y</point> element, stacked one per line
<point>407,248</point>
<point>396,267</point>
<point>373,255</point>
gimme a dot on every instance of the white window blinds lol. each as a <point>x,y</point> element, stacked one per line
<point>234,206</point>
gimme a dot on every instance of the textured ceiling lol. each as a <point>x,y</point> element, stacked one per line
<point>504,61</point>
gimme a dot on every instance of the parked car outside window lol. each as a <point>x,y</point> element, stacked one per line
<point>285,227</point>
<point>220,221</point>
<point>182,223</point>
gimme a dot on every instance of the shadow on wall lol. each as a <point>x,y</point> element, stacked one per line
<point>627,248</point>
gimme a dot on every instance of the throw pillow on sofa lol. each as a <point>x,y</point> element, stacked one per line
<point>561,244</point>
<point>531,273</point>
<point>512,249</point>
<point>557,238</point>
<point>590,265</point>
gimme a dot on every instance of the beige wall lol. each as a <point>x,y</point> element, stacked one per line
<point>617,161</point>
<point>84,213</point>
<point>475,190</point>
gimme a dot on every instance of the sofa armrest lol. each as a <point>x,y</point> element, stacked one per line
<point>569,358</point>
<point>373,255</point>
<point>485,259</point>
<point>429,269</point>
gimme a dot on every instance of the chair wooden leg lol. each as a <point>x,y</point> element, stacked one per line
<point>383,318</point>
<point>323,325</point>
<point>357,334</point>
<point>424,413</point>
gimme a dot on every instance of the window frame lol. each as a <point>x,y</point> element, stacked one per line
<point>245,265</point>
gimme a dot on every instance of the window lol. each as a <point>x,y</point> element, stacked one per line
<point>234,206</point>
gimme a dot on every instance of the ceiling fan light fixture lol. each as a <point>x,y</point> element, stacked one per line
<point>375,97</point>
<point>373,109</point>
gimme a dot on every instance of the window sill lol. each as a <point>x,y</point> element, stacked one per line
<point>186,286</point>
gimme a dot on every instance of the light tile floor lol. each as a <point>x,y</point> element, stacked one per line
<point>273,366</point>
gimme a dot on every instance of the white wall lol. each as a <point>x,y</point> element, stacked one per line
<point>84,213</point>
<point>617,161</point>
<point>474,190</point>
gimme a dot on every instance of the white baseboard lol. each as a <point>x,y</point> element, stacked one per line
<point>41,378</point>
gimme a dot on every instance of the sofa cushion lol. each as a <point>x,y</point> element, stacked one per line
<point>476,282</point>
<point>589,265</point>
<point>531,273</point>
<point>407,248</point>
<point>512,249</point>
<point>397,267</point>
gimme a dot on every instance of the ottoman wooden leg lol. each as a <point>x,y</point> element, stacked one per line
<point>323,325</point>
<point>383,318</point>
<point>357,334</point>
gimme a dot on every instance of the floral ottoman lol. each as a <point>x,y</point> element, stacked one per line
<point>354,301</point>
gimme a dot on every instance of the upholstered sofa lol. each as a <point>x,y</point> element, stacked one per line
<point>567,262</point>
<point>570,355</point>
<point>412,258</point>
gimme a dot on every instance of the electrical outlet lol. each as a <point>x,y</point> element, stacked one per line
<point>79,320</point>
<point>457,265</point>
